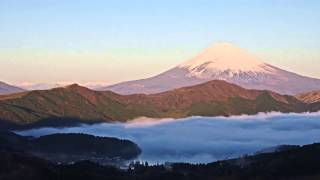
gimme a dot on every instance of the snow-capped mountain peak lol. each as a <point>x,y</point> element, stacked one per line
<point>222,61</point>
<point>224,57</point>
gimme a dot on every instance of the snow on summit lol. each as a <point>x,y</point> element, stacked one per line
<point>223,57</point>
<point>223,60</point>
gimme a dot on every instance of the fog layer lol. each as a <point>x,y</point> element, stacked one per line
<point>205,139</point>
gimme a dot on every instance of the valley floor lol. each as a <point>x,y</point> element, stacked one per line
<point>294,163</point>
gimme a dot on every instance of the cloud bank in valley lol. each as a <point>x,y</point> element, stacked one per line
<point>205,139</point>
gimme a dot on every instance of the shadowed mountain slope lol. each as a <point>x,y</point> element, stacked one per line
<point>296,163</point>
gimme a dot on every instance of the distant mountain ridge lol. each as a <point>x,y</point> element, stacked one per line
<point>214,98</point>
<point>41,86</point>
<point>9,89</point>
<point>47,86</point>
<point>222,61</point>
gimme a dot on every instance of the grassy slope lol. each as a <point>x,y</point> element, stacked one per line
<point>309,97</point>
<point>312,99</point>
<point>209,99</point>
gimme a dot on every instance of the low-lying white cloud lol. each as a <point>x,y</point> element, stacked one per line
<point>205,139</point>
<point>147,122</point>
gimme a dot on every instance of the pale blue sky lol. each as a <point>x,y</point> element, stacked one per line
<point>86,41</point>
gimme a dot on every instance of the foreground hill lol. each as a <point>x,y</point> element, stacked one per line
<point>72,147</point>
<point>9,89</point>
<point>222,61</point>
<point>296,163</point>
<point>213,98</point>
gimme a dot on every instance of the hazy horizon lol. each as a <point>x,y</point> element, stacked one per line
<point>92,41</point>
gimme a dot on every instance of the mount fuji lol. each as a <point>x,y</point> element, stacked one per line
<point>222,61</point>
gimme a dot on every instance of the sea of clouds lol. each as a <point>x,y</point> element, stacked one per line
<point>205,139</point>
